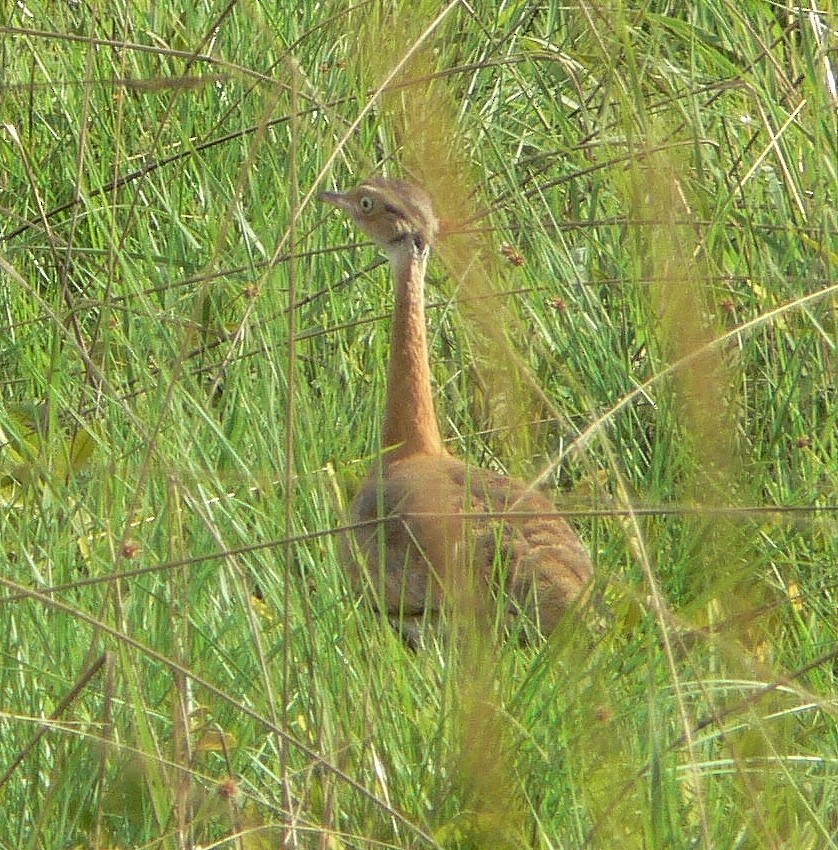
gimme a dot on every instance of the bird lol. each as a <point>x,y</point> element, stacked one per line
<point>429,531</point>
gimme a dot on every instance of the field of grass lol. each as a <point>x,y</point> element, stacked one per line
<point>636,308</point>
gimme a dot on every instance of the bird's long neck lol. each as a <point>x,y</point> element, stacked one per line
<point>410,425</point>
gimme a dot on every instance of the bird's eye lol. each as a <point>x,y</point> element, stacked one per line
<point>367,204</point>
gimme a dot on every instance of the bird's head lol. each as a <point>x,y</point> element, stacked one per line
<point>395,214</point>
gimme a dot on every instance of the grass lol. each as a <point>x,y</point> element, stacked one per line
<point>637,308</point>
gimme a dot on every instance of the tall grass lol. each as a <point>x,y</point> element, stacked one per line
<point>635,306</point>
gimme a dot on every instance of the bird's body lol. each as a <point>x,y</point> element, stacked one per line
<point>449,528</point>
<point>430,529</point>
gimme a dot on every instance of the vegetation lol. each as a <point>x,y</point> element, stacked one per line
<point>635,307</point>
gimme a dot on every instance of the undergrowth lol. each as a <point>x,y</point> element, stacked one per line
<point>634,308</point>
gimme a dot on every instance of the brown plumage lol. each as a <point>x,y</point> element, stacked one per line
<point>430,529</point>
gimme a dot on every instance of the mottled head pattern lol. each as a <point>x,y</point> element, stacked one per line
<point>388,211</point>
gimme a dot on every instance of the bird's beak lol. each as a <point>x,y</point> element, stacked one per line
<point>339,199</point>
